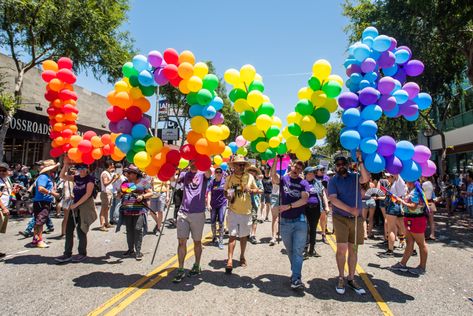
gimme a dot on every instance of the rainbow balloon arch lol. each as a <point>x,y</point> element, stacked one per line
<point>377,71</point>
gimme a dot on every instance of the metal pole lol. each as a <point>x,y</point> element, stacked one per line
<point>156,113</point>
<point>279,198</point>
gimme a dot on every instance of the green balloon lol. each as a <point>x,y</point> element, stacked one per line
<point>147,91</point>
<point>332,89</point>
<point>294,129</point>
<point>204,97</point>
<point>242,151</point>
<point>255,142</point>
<point>307,139</point>
<point>266,108</point>
<point>191,98</point>
<point>256,85</point>
<point>314,83</point>
<point>236,94</point>
<point>269,154</point>
<point>130,155</point>
<point>248,117</point>
<point>146,138</point>
<point>134,81</point>
<point>321,115</point>
<point>128,70</point>
<point>139,145</point>
<point>282,149</point>
<point>210,82</point>
<point>272,132</point>
<point>304,107</point>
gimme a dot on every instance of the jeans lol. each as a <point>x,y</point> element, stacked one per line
<point>294,237</point>
<point>470,210</point>
<point>313,215</point>
<point>32,222</point>
<point>218,213</point>
<point>71,225</point>
<point>114,209</point>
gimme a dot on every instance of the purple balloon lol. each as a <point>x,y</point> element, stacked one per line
<point>386,85</point>
<point>368,65</point>
<point>400,75</point>
<point>387,59</point>
<point>124,126</point>
<point>393,44</point>
<point>218,119</point>
<point>145,121</point>
<point>348,100</point>
<point>353,68</point>
<point>387,102</point>
<point>428,168</point>
<point>412,89</point>
<point>155,58</point>
<point>408,109</point>
<point>112,126</point>
<point>386,146</point>
<point>414,67</point>
<point>159,77</point>
<point>421,154</point>
<point>406,48</point>
<point>369,96</point>
<point>393,165</point>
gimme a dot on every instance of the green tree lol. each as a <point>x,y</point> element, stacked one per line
<point>440,33</point>
<point>88,32</point>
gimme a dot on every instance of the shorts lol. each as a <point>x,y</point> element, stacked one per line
<point>239,224</point>
<point>394,209</point>
<point>158,203</point>
<point>274,200</point>
<point>190,223</point>
<point>41,212</point>
<point>345,229</point>
<point>105,199</point>
<point>416,225</point>
<point>266,198</point>
<point>369,203</point>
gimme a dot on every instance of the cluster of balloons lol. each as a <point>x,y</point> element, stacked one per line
<point>316,102</point>
<point>262,128</point>
<point>238,147</point>
<point>378,70</point>
<point>62,99</point>
<point>90,147</point>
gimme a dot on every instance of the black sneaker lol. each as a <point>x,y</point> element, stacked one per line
<point>25,234</point>
<point>414,253</point>
<point>358,289</point>
<point>253,240</point>
<point>324,239</point>
<point>196,270</point>
<point>387,254</point>
<point>129,253</point>
<point>139,256</point>
<point>63,259</point>
<point>179,276</point>
<point>297,284</point>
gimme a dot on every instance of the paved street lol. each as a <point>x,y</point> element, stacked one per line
<point>108,284</point>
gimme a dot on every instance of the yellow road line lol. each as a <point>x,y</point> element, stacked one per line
<point>383,306</point>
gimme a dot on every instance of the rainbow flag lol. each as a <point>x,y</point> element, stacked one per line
<point>422,194</point>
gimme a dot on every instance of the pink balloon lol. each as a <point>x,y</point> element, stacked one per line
<point>421,154</point>
<point>428,168</point>
<point>218,119</point>
<point>240,141</point>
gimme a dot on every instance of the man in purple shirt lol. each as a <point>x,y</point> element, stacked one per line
<point>344,193</point>
<point>191,217</point>
<point>294,192</point>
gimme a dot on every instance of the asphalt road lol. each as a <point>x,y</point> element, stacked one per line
<point>32,284</point>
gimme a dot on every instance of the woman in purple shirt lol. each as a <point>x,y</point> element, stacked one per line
<point>217,206</point>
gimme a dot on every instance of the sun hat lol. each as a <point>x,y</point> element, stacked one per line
<point>4,165</point>
<point>255,169</point>
<point>309,170</point>
<point>330,172</point>
<point>239,159</point>
<point>48,165</point>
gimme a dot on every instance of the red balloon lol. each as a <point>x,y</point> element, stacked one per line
<point>188,152</point>
<point>64,62</point>
<point>56,152</point>
<point>66,147</point>
<point>115,113</point>
<point>106,150</point>
<point>134,114</point>
<point>106,139</point>
<point>89,134</point>
<point>170,71</point>
<point>173,157</point>
<point>48,75</point>
<point>54,134</point>
<point>68,108</point>
<point>52,111</point>
<point>85,146</point>
<point>202,162</point>
<point>175,82</point>
<point>87,158</point>
<point>167,170</point>
<point>66,94</point>
<point>66,75</point>
<point>171,56</point>
<point>67,133</point>
<point>51,95</point>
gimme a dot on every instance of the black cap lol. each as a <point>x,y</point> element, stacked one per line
<point>340,158</point>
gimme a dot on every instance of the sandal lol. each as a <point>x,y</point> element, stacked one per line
<point>229,268</point>
<point>243,263</point>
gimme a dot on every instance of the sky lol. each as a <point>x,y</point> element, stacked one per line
<point>280,39</point>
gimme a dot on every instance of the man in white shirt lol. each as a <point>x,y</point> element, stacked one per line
<point>428,188</point>
<point>107,178</point>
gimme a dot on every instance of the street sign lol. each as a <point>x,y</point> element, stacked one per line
<point>170,134</point>
<point>163,109</point>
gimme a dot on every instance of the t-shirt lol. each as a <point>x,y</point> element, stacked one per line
<point>130,205</point>
<point>414,197</point>
<point>292,192</point>
<point>315,191</point>
<point>108,188</point>
<point>242,200</point>
<point>194,189</point>
<point>118,183</point>
<point>80,186</point>
<point>6,191</point>
<point>45,181</point>
<point>324,179</point>
<point>217,197</point>
<point>256,197</point>
<point>159,186</point>
<point>267,185</point>
<point>345,189</point>
<point>398,187</point>
<point>428,188</point>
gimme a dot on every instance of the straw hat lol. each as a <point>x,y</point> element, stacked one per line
<point>255,169</point>
<point>48,165</point>
<point>238,159</point>
<point>133,169</point>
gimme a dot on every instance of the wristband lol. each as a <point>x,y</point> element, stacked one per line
<point>290,205</point>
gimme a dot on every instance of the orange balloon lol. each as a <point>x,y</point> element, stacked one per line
<point>74,154</point>
<point>73,102</point>
<point>216,148</point>
<point>68,86</point>
<point>60,140</point>
<point>123,100</point>
<point>185,70</point>
<point>75,140</point>
<point>97,153</point>
<point>57,103</point>
<point>115,157</point>
<point>111,97</point>
<point>202,146</point>
<point>58,127</point>
<point>186,57</point>
<point>151,170</point>
<point>60,118</point>
<point>193,137</point>
<point>117,152</point>
<point>106,139</point>
<point>143,104</point>
<point>73,128</point>
<point>71,116</point>
<point>96,142</point>
<point>158,160</point>
<point>50,65</point>
<point>56,85</point>
<point>113,137</point>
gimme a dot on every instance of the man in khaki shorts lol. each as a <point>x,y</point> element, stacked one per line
<point>191,217</point>
<point>344,193</point>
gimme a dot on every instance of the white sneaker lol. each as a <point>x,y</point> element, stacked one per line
<point>272,242</point>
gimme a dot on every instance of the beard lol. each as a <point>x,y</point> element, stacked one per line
<point>342,171</point>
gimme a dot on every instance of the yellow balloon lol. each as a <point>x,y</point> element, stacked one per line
<point>199,124</point>
<point>262,146</point>
<point>240,85</point>
<point>258,77</point>
<point>304,93</point>
<point>247,73</point>
<point>142,159</point>
<point>121,86</point>
<point>255,99</point>
<point>319,131</point>
<point>303,154</point>
<point>263,122</point>
<point>318,98</point>
<point>214,133</point>
<point>154,145</point>
<point>293,117</point>
<point>218,160</point>
<point>183,86</point>
<point>250,133</point>
<point>307,123</point>
<point>293,143</point>
<point>227,152</point>
<point>194,84</point>
<point>285,133</point>
<point>331,105</point>
<point>225,131</point>
<point>231,76</point>
<point>135,93</point>
<point>266,99</point>
<point>321,69</point>
<point>201,69</point>
<point>277,121</point>
<point>336,78</point>
<point>241,105</point>
<point>274,142</point>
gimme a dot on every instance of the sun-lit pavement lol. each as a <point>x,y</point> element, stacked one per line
<point>107,283</point>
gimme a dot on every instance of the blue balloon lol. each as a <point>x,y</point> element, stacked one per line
<point>375,163</point>
<point>217,103</point>
<point>371,76</point>
<point>372,112</point>
<point>375,55</point>
<point>381,43</point>
<point>391,71</point>
<point>368,145</point>
<point>196,110</point>
<point>404,150</point>
<point>364,84</point>
<point>350,139</point>
<point>124,142</point>
<point>361,52</point>
<point>140,63</point>
<point>356,78</point>
<point>401,96</point>
<point>411,170</point>
<point>412,118</point>
<point>368,128</point>
<point>224,166</point>
<point>370,31</point>
<point>393,113</point>
<point>145,78</point>
<point>397,86</point>
<point>209,112</point>
<point>233,146</point>
<point>368,41</point>
<point>351,117</point>
<point>139,131</point>
<point>401,56</point>
<point>423,100</point>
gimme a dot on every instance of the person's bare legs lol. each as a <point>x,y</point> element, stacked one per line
<point>181,251</point>
<point>341,258</point>
<point>243,243</point>
<point>432,223</point>
<point>364,216</point>
<point>274,224</point>
<point>370,221</point>
<point>420,241</point>
<point>231,250</point>
<point>409,249</point>
<point>352,260</point>
<point>391,230</point>
<point>323,222</point>
<point>197,251</point>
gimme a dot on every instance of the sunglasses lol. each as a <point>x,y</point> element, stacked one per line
<point>218,171</point>
<point>240,164</point>
<point>3,170</point>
